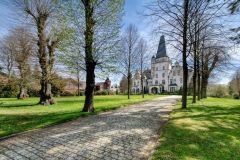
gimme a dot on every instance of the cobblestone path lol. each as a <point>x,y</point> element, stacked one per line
<point>127,133</point>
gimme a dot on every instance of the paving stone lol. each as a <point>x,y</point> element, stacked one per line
<point>126,133</point>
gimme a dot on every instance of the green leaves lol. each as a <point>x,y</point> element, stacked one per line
<point>234,6</point>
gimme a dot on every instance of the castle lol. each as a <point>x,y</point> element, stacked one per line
<point>163,76</point>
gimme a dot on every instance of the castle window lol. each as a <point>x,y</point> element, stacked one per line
<point>172,81</point>
<point>163,75</point>
<point>163,81</point>
<point>156,82</point>
<point>156,75</point>
<point>174,73</point>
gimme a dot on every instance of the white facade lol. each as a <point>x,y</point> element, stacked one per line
<point>163,75</point>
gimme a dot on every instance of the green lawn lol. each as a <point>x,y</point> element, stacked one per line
<point>208,130</point>
<point>22,115</point>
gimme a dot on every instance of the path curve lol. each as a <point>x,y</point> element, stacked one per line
<point>126,133</point>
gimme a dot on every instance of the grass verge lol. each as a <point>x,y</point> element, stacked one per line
<point>23,115</point>
<point>207,130</point>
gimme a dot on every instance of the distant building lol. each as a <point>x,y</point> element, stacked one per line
<point>103,86</point>
<point>163,76</point>
<point>72,86</point>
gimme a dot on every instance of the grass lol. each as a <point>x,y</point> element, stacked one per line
<point>208,130</point>
<point>23,115</point>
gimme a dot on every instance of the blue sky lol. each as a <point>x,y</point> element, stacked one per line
<point>133,10</point>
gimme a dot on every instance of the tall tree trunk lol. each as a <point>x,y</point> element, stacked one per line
<point>194,71</point>
<point>129,73</point>
<point>129,85</point>
<point>23,90</point>
<point>23,93</point>
<point>90,63</point>
<point>142,87</point>
<point>184,55</point>
<point>198,81</point>
<point>78,81</point>
<point>204,85</point>
<point>45,91</point>
<point>89,91</point>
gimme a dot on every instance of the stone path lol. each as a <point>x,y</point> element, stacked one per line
<point>127,133</point>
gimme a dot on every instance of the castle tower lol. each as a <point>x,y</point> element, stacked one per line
<point>161,66</point>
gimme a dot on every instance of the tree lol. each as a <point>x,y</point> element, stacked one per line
<point>235,83</point>
<point>97,26</point>
<point>142,49</point>
<point>24,48</point>
<point>174,15</point>
<point>128,57</point>
<point>123,85</point>
<point>48,38</point>
<point>184,53</point>
<point>187,24</point>
<point>7,55</point>
<point>234,6</point>
<point>73,61</point>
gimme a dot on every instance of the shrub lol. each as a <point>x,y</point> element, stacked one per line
<point>235,96</point>
<point>65,93</point>
<point>81,93</point>
<point>218,91</point>
<point>32,92</point>
<point>101,93</point>
<point>9,90</point>
<point>111,93</point>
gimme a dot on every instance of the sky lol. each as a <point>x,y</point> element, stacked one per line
<point>133,10</point>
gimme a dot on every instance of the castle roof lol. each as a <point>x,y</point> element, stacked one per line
<point>161,52</point>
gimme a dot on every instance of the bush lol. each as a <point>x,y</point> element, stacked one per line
<point>218,91</point>
<point>235,96</point>
<point>65,93</point>
<point>9,90</point>
<point>32,92</point>
<point>101,93</point>
<point>81,93</point>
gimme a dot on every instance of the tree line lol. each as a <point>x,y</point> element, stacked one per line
<point>85,36</point>
<point>195,30</point>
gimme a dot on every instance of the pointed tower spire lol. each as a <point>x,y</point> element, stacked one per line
<point>161,52</point>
